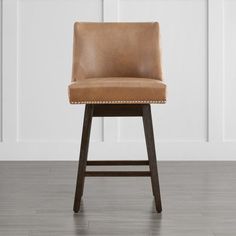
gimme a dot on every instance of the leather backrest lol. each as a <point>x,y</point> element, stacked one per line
<point>116,50</point>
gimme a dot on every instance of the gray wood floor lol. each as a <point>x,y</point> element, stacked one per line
<point>199,199</point>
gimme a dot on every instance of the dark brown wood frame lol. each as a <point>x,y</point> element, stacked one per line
<point>110,110</point>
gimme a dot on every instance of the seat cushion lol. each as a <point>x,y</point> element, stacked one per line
<point>117,90</point>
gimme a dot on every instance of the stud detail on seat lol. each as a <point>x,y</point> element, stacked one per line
<point>115,102</point>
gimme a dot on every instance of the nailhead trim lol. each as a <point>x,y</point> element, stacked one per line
<point>114,102</point>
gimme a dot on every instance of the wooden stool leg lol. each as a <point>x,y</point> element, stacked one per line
<point>88,114</point>
<point>149,136</point>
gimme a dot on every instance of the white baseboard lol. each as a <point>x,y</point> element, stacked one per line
<point>176,151</point>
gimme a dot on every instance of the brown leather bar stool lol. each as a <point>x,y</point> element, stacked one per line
<point>117,72</point>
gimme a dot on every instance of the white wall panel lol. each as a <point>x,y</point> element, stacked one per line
<point>230,70</point>
<point>1,74</point>
<point>45,53</point>
<point>183,26</point>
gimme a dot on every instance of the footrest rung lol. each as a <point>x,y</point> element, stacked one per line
<point>117,173</point>
<point>118,163</point>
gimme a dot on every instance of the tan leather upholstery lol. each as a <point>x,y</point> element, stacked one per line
<point>117,89</point>
<point>116,63</point>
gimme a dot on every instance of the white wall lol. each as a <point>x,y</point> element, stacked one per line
<point>199,55</point>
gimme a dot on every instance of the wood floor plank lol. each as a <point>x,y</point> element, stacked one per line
<point>14,233</point>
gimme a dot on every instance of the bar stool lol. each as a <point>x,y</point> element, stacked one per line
<point>117,72</point>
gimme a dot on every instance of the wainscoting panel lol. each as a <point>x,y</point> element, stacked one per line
<point>230,71</point>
